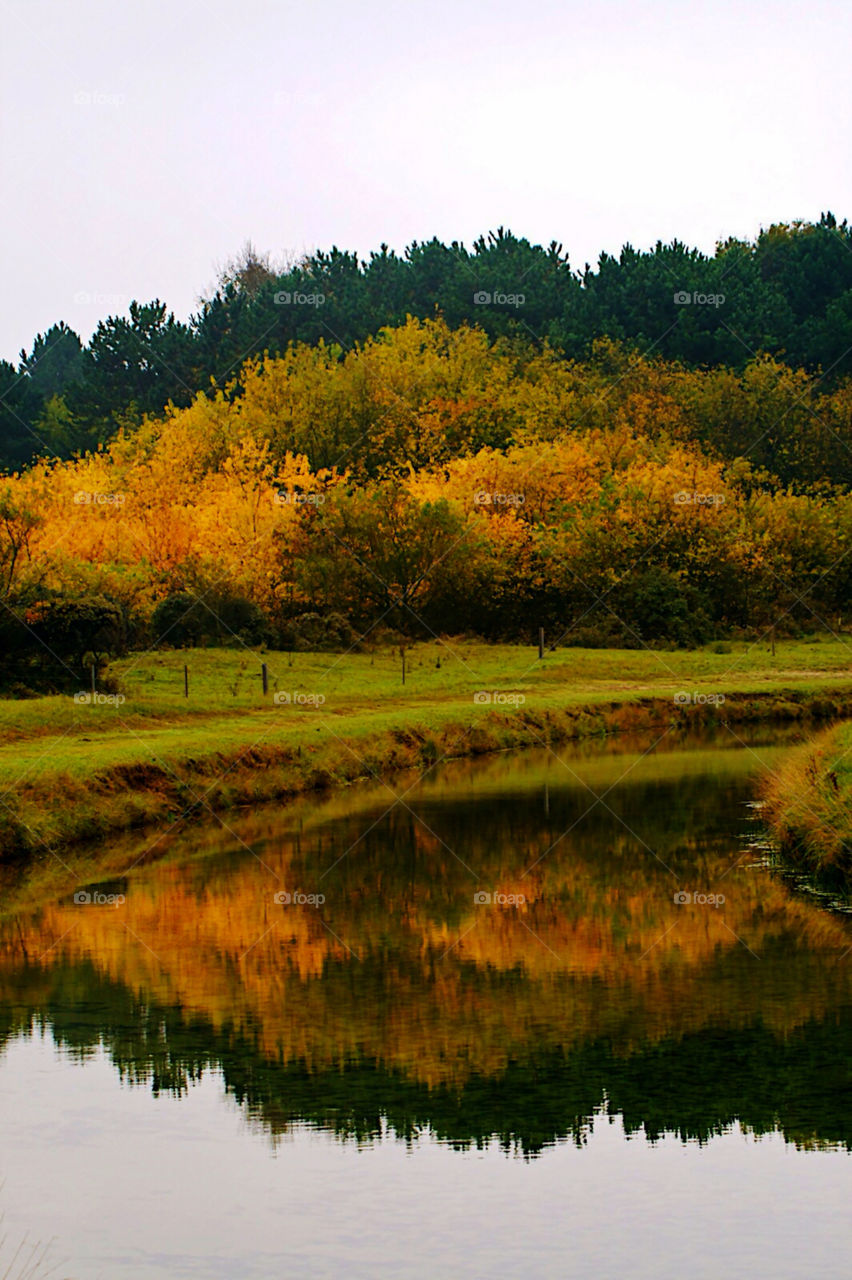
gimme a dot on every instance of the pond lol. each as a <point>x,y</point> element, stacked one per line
<point>539,1014</point>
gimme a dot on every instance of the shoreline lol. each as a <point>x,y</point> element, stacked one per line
<point>61,810</point>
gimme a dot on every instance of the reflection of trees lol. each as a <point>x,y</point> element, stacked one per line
<point>695,1085</point>
<point>401,998</point>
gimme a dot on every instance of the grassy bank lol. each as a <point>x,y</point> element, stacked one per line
<point>72,771</point>
<point>809,805</point>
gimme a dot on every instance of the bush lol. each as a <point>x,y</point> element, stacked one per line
<point>241,619</point>
<point>177,621</point>
<point>660,606</point>
<point>20,691</point>
<point>184,620</point>
<point>72,631</point>
<point>315,632</point>
<point>45,644</point>
<point>596,637</point>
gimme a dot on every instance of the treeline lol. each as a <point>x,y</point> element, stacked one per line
<point>432,480</point>
<point>788,293</point>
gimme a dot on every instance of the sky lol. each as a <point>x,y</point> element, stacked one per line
<point>143,142</point>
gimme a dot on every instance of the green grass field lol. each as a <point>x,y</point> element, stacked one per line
<point>70,770</point>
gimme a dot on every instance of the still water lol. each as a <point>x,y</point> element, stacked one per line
<point>468,1026</point>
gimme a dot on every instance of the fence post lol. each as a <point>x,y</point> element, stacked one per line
<point>94,682</point>
<point>541,642</point>
<point>265,677</point>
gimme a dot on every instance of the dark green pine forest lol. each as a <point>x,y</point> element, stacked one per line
<point>788,294</point>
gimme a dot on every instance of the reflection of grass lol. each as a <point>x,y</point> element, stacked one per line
<point>71,771</point>
<point>587,763</point>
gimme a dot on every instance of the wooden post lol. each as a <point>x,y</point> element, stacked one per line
<point>773,639</point>
<point>94,683</point>
<point>541,642</point>
<point>265,677</point>
<point>185,681</point>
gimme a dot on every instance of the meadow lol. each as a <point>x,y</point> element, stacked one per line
<point>75,769</point>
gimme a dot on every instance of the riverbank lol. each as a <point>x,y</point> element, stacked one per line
<point>809,805</point>
<point>79,770</point>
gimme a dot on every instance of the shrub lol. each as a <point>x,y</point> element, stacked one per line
<point>662,607</point>
<point>184,619</point>
<point>72,631</point>
<point>177,621</point>
<point>317,632</point>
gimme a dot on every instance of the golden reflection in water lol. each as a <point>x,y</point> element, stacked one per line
<point>401,966</point>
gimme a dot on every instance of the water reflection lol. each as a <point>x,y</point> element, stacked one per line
<point>382,996</point>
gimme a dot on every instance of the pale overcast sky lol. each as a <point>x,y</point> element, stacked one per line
<point>143,141</point>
